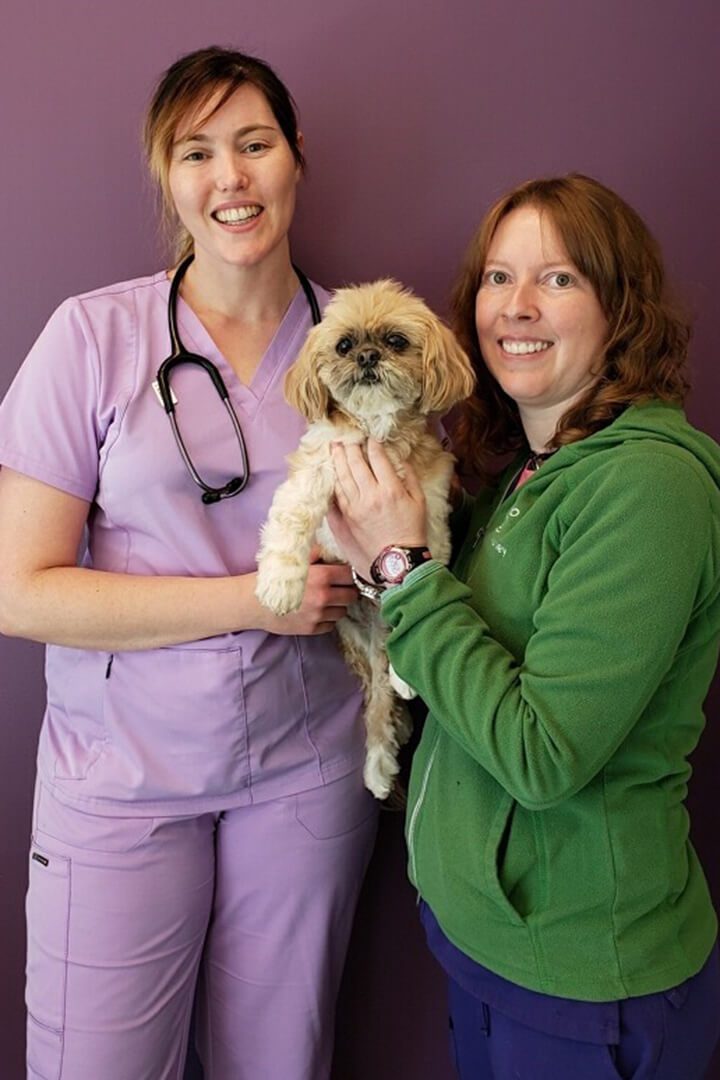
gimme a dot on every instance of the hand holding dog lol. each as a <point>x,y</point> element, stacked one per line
<point>374,506</point>
<point>329,591</point>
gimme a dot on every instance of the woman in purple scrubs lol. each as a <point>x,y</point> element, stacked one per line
<point>200,829</point>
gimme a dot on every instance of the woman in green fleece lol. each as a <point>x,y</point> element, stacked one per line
<point>564,658</point>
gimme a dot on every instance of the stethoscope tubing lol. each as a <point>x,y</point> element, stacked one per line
<point>180,355</point>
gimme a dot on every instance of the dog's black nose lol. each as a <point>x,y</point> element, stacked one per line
<point>368,358</point>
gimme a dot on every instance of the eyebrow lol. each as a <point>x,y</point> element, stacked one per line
<point>551,264</point>
<point>240,133</point>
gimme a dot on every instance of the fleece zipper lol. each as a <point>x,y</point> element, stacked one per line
<point>412,826</point>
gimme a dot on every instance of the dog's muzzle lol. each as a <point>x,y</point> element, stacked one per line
<point>368,360</point>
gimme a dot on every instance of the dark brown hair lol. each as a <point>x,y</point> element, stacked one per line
<point>647,344</point>
<point>185,89</point>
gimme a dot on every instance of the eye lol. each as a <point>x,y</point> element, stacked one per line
<point>398,342</point>
<point>195,155</point>
<point>496,277</point>
<point>561,279</point>
<point>344,346</point>
<point>255,147</point>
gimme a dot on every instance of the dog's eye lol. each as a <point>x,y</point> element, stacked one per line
<point>344,346</point>
<point>398,342</point>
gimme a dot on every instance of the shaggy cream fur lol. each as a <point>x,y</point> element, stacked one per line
<point>379,364</point>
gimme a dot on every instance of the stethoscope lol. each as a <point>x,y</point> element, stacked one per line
<point>180,355</point>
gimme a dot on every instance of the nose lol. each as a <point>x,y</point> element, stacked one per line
<point>368,358</point>
<point>231,174</point>
<point>521,302</point>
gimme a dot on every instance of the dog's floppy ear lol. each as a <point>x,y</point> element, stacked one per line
<point>303,389</point>
<point>447,373</point>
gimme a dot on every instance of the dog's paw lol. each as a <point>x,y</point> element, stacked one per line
<point>401,688</point>
<point>380,770</point>
<point>280,585</point>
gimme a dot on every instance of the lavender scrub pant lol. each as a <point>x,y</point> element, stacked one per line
<point>247,912</point>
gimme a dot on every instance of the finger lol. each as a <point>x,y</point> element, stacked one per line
<point>340,530</point>
<point>345,485</point>
<point>357,464</point>
<point>412,483</point>
<point>335,518</point>
<point>315,555</point>
<point>343,595</point>
<point>337,575</point>
<point>381,465</point>
<point>330,575</point>
<point>335,614</point>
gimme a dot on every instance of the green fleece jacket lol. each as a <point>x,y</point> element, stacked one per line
<point>564,662</point>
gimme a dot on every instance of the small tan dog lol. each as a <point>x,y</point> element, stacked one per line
<point>379,364</point>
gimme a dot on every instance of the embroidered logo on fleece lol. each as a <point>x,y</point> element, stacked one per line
<point>496,544</point>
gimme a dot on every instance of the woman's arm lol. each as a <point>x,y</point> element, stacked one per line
<point>631,591</point>
<point>619,600</point>
<point>44,596</point>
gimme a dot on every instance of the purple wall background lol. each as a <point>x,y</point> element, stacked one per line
<point>415,116</point>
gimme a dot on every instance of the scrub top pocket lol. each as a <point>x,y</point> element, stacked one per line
<point>175,724</point>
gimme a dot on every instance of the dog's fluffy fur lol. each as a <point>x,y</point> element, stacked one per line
<point>379,364</point>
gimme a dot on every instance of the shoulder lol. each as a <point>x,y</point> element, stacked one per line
<point>111,317</point>
<point>88,332</point>
<point>655,465</point>
<point>651,487</point>
<point>150,289</point>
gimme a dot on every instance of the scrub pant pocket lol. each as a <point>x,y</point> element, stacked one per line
<point>48,912</point>
<point>117,912</point>
<point>288,875</point>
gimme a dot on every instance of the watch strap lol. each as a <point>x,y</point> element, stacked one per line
<point>366,588</point>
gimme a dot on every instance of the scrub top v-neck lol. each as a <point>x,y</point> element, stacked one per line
<point>248,395</point>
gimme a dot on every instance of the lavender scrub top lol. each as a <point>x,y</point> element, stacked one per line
<point>212,724</point>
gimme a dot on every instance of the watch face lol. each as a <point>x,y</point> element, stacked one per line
<point>394,565</point>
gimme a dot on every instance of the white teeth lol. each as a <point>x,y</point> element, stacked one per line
<point>521,348</point>
<point>236,214</point>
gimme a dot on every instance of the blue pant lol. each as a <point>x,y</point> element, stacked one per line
<point>666,1036</point>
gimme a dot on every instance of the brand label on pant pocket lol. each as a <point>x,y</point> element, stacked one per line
<point>40,858</point>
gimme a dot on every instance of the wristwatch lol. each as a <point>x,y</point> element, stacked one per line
<point>393,564</point>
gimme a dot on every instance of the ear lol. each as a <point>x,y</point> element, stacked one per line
<point>447,373</point>
<point>300,143</point>
<point>303,389</point>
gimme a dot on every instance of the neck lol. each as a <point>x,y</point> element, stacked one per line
<point>540,426</point>
<point>250,294</point>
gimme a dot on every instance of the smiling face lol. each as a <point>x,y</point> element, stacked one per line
<point>232,178</point>
<point>539,322</point>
